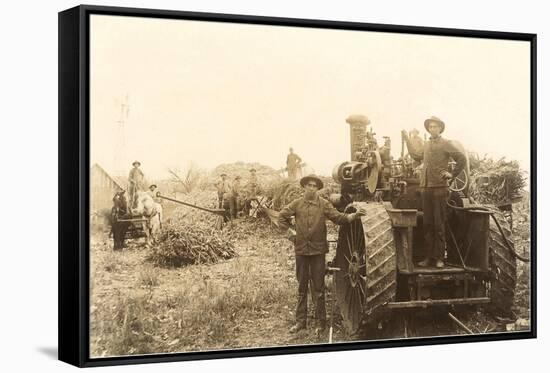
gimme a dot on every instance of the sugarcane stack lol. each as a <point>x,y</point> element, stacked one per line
<point>182,243</point>
<point>190,237</point>
<point>496,182</point>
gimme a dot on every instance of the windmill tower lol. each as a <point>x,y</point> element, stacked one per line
<point>120,137</point>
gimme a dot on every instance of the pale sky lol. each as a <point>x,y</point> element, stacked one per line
<point>215,93</point>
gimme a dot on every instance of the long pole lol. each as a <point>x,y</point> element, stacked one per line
<point>213,211</point>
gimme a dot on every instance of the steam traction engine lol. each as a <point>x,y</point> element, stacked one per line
<point>375,257</point>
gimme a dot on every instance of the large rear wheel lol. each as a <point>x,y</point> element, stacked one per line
<point>503,265</point>
<point>366,257</point>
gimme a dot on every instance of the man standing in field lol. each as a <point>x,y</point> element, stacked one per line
<point>311,246</point>
<point>253,182</point>
<point>251,191</point>
<point>234,197</point>
<point>293,162</point>
<point>436,154</point>
<point>118,212</point>
<point>223,188</point>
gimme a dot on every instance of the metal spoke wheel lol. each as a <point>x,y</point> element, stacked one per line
<point>366,258</point>
<point>351,279</point>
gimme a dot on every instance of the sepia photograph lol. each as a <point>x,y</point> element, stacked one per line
<point>259,185</point>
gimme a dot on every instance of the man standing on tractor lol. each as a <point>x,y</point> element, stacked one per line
<point>311,246</point>
<point>293,162</point>
<point>434,178</point>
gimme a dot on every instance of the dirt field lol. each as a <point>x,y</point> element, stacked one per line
<point>247,301</point>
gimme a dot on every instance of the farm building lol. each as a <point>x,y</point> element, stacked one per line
<point>102,189</point>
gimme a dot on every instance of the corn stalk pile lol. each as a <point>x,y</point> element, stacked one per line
<point>191,236</point>
<point>496,182</point>
<point>190,242</point>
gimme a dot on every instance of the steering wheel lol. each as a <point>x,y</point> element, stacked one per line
<point>459,183</point>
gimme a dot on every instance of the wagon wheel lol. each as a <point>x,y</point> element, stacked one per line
<point>366,258</point>
<point>459,183</point>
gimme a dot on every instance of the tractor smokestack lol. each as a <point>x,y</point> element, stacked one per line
<point>358,131</point>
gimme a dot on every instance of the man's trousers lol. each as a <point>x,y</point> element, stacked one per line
<point>434,204</point>
<point>311,267</point>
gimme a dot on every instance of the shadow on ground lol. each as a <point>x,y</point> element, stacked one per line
<point>50,352</point>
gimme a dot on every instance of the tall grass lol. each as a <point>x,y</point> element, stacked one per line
<point>201,314</point>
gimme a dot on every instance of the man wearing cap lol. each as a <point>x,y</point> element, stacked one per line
<point>153,192</point>
<point>252,190</point>
<point>234,197</point>
<point>135,181</point>
<point>435,175</point>
<point>223,188</point>
<point>118,212</point>
<point>253,180</point>
<point>292,164</point>
<point>311,246</point>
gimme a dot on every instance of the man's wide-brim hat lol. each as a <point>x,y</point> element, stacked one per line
<point>308,178</point>
<point>224,174</point>
<point>136,162</point>
<point>435,120</point>
<point>252,170</point>
<point>152,185</point>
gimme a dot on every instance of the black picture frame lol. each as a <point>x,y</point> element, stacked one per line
<point>74,176</point>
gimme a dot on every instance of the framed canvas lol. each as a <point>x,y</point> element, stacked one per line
<point>234,186</point>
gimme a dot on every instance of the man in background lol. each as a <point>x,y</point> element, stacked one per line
<point>252,190</point>
<point>135,182</point>
<point>223,187</point>
<point>119,212</point>
<point>153,190</point>
<point>234,197</point>
<point>293,163</point>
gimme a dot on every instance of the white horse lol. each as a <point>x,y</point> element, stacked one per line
<point>152,211</point>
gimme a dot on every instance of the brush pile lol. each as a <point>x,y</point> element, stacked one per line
<point>183,243</point>
<point>192,236</point>
<point>496,182</point>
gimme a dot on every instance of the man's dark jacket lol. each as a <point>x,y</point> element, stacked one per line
<point>436,153</point>
<point>311,229</point>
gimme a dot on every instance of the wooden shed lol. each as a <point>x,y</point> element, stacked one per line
<point>102,189</point>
